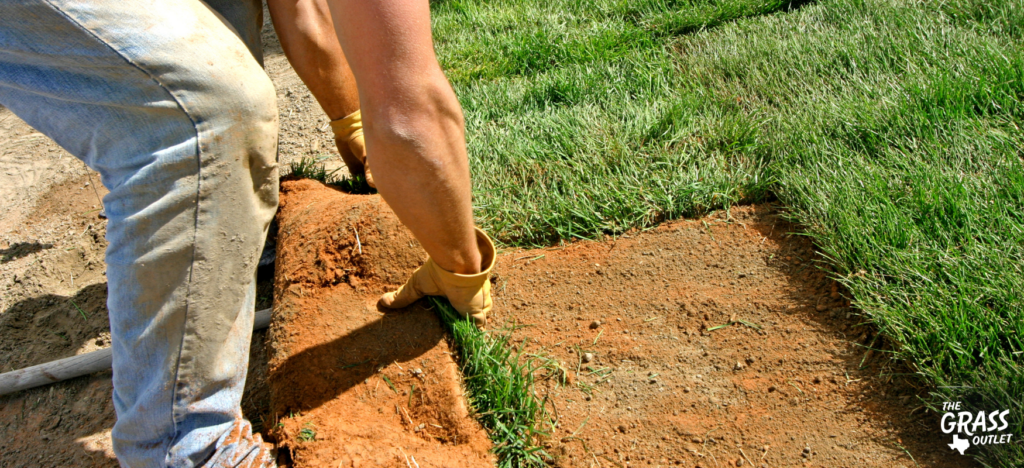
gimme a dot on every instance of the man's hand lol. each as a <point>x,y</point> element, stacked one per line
<point>348,135</point>
<point>470,295</point>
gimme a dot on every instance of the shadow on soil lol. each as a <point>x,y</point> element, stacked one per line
<point>22,249</point>
<point>330,369</point>
<point>29,327</point>
<point>890,391</point>
<point>64,424</point>
<point>67,423</point>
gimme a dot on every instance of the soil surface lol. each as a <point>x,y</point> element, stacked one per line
<point>712,342</point>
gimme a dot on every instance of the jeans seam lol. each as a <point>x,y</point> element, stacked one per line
<point>195,225</point>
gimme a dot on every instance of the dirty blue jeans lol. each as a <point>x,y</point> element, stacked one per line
<point>168,102</point>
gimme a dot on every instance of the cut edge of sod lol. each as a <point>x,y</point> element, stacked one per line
<point>499,380</point>
<point>309,167</point>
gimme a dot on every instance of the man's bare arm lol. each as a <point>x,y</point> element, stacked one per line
<point>311,45</point>
<point>413,124</point>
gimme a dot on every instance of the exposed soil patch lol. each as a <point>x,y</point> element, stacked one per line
<point>350,386</point>
<point>55,304</point>
<point>649,374</point>
<point>654,378</point>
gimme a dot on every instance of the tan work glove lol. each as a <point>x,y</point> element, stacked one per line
<point>348,133</point>
<point>470,295</point>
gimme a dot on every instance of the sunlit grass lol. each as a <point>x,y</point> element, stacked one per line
<point>890,128</point>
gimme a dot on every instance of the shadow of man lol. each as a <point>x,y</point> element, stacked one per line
<point>318,374</point>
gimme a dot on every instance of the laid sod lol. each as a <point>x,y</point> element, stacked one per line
<point>891,129</point>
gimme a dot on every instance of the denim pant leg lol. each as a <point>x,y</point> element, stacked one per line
<point>167,103</point>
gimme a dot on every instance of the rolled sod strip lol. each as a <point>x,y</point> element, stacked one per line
<point>77,366</point>
<point>351,383</point>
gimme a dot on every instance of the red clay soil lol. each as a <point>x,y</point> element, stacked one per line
<point>665,386</point>
<point>350,386</point>
<point>650,379</point>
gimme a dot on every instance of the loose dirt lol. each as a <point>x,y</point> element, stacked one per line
<point>54,306</point>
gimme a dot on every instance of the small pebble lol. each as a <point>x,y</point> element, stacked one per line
<point>587,357</point>
<point>595,324</point>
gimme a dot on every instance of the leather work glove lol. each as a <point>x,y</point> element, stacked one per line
<point>348,133</point>
<point>470,295</point>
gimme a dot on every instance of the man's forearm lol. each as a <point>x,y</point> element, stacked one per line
<point>413,124</point>
<point>311,45</point>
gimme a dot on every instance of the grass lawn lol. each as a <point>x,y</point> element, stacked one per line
<point>890,128</point>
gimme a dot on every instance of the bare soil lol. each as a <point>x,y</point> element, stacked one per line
<point>712,342</point>
<point>54,306</point>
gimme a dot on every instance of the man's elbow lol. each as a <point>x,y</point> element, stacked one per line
<point>425,116</point>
